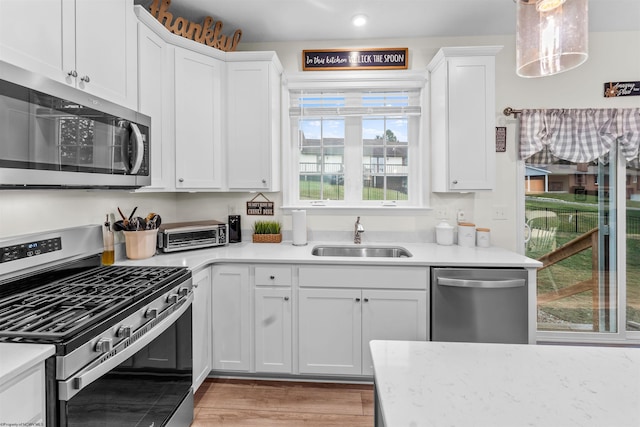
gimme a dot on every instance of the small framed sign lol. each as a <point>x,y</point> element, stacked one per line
<point>614,89</point>
<point>260,207</point>
<point>355,59</point>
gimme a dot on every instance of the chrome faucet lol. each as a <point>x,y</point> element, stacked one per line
<point>358,230</point>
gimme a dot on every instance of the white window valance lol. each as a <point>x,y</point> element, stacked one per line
<point>578,135</point>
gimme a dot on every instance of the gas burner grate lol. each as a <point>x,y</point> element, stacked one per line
<point>62,308</point>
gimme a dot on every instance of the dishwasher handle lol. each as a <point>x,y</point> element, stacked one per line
<point>485,284</point>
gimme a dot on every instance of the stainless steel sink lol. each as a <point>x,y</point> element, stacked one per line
<point>362,251</point>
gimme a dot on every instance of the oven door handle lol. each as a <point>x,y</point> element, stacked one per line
<point>69,388</point>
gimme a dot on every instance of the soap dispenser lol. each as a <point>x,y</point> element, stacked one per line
<point>444,233</point>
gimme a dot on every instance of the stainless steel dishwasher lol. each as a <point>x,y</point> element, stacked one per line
<point>479,305</point>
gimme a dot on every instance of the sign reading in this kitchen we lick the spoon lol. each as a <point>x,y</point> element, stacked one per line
<point>355,59</point>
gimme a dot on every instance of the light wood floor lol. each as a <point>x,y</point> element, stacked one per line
<point>226,402</point>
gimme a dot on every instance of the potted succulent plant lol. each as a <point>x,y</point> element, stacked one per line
<point>267,232</point>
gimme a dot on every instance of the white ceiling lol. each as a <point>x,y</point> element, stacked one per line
<point>306,20</point>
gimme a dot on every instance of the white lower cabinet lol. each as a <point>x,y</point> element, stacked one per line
<point>201,326</point>
<point>273,333</point>
<point>336,326</point>
<point>231,318</point>
<point>329,331</point>
<point>22,398</point>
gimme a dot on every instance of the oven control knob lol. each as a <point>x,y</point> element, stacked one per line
<point>172,298</point>
<point>183,292</point>
<point>151,313</point>
<point>124,332</point>
<point>103,345</point>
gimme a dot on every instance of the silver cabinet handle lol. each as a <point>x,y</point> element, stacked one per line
<point>487,284</point>
<point>180,179</point>
<point>72,73</point>
<point>366,300</point>
<point>264,181</point>
<point>357,299</point>
<point>85,79</point>
<point>272,277</point>
<point>286,298</point>
<point>455,181</point>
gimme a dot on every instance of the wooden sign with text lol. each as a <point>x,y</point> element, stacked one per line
<point>352,59</point>
<point>202,33</point>
<point>260,208</point>
<point>614,89</point>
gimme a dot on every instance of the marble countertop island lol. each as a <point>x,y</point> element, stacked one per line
<point>492,385</point>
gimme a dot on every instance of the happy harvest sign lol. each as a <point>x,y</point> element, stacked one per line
<point>349,59</point>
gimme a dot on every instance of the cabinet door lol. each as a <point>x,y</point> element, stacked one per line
<point>391,315</point>
<point>273,330</point>
<point>106,49</point>
<point>154,99</point>
<point>253,106</point>
<point>197,120</point>
<point>231,318</point>
<point>329,331</point>
<point>201,327</point>
<point>39,36</point>
<point>471,123</point>
<point>22,398</point>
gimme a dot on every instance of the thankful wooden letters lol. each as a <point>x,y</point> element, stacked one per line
<point>202,33</point>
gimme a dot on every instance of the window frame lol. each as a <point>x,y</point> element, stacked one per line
<point>357,80</point>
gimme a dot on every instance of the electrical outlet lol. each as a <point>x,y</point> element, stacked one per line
<point>499,213</point>
<point>460,216</point>
<point>442,213</point>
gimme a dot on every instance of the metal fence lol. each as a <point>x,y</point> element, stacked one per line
<point>575,220</point>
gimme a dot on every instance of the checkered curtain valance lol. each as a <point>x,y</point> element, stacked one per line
<point>578,135</point>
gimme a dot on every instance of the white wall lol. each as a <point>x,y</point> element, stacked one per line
<point>612,57</point>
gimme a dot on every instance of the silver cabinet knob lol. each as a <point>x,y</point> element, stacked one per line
<point>286,298</point>
<point>151,313</point>
<point>180,179</point>
<point>85,79</point>
<point>366,300</point>
<point>103,345</point>
<point>272,277</point>
<point>124,331</point>
<point>72,73</point>
<point>455,181</point>
<point>357,299</point>
<point>264,181</point>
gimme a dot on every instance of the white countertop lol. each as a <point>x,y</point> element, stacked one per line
<point>17,358</point>
<point>493,385</point>
<point>424,254</point>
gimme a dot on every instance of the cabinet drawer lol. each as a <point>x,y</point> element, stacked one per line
<point>273,276</point>
<point>364,277</point>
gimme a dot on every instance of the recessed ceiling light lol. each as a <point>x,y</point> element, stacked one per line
<point>359,20</point>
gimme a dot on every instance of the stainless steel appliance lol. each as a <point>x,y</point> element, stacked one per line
<point>479,305</point>
<point>122,333</point>
<point>181,236</point>
<point>54,135</point>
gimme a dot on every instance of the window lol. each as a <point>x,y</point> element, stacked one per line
<point>355,147</point>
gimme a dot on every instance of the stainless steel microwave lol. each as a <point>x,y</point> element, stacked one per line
<point>53,135</point>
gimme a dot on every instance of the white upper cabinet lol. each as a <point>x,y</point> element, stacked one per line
<point>90,44</point>
<point>462,106</point>
<point>253,121</point>
<point>198,116</point>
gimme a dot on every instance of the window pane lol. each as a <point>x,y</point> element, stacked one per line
<point>385,158</point>
<point>321,158</point>
<point>633,246</point>
<point>568,214</point>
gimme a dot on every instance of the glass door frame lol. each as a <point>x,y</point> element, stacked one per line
<point>619,303</point>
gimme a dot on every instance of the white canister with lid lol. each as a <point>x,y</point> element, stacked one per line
<point>444,233</point>
<point>483,237</point>
<point>466,234</point>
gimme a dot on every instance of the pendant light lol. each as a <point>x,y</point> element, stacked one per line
<point>551,36</point>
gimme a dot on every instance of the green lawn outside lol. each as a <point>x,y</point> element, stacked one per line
<point>310,190</point>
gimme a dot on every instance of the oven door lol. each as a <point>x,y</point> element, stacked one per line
<point>146,384</point>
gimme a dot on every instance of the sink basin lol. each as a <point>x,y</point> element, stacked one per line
<point>362,251</point>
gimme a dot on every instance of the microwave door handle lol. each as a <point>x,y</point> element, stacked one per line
<point>71,387</point>
<point>138,149</point>
<point>486,284</point>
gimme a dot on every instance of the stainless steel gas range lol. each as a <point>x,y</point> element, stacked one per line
<point>122,333</point>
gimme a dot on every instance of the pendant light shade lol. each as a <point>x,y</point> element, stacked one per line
<point>551,36</point>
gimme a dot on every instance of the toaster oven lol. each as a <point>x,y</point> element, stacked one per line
<point>181,236</point>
